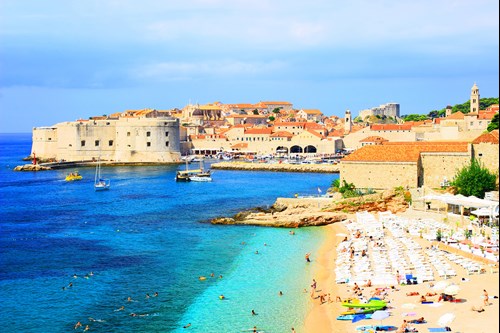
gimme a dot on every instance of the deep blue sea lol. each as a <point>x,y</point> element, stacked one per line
<point>147,234</point>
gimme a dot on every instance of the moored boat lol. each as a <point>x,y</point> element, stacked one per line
<point>72,176</point>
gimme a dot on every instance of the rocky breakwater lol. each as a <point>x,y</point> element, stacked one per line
<point>31,167</point>
<point>287,213</point>
<point>284,167</point>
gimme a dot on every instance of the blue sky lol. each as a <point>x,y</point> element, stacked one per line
<point>65,59</point>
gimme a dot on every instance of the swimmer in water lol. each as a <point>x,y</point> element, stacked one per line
<point>186,326</point>
<point>78,324</point>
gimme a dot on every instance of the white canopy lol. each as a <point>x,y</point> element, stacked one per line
<point>461,200</point>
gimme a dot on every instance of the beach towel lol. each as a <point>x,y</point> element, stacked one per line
<point>437,329</point>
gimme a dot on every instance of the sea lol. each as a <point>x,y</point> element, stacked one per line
<point>130,259</point>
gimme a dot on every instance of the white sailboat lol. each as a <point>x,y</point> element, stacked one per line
<point>100,184</point>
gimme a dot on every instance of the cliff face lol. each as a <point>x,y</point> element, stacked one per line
<point>379,202</point>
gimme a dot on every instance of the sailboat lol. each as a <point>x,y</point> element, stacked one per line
<point>100,184</point>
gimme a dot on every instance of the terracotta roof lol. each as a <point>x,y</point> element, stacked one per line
<point>336,133</point>
<point>274,103</point>
<point>374,138</point>
<point>314,126</point>
<point>491,137</point>
<point>258,131</point>
<point>457,116</point>
<point>390,127</point>
<point>239,145</point>
<point>283,134</point>
<point>312,111</point>
<point>314,133</point>
<point>409,152</point>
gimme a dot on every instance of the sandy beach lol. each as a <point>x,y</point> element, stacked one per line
<point>322,317</point>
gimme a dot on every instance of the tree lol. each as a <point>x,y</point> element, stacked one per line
<point>494,123</point>
<point>474,179</point>
<point>256,112</point>
<point>271,118</point>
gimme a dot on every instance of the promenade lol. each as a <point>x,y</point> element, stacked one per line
<point>281,167</point>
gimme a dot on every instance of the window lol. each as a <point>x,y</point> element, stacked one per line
<point>82,143</point>
<point>148,144</point>
<point>97,143</point>
<point>166,133</point>
<point>480,154</point>
<point>148,133</point>
<point>166,144</point>
<point>110,143</point>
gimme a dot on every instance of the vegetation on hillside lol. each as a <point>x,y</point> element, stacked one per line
<point>494,123</point>
<point>474,179</point>
<point>464,108</point>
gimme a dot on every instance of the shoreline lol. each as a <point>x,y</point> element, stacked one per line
<point>322,317</point>
<point>278,167</point>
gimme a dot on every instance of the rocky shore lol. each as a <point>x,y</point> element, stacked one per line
<point>283,167</point>
<point>306,212</point>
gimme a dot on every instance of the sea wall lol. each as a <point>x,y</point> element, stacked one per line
<point>283,167</point>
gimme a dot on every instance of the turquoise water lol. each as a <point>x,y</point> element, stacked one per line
<point>147,234</point>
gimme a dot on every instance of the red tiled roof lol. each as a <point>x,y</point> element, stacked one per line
<point>258,131</point>
<point>491,137</point>
<point>457,116</point>
<point>284,134</point>
<point>314,126</point>
<point>408,152</point>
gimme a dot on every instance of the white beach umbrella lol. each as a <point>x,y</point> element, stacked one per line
<point>380,315</point>
<point>446,319</point>
<point>451,290</point>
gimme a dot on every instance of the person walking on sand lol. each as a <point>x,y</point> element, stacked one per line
<point>486,298</point>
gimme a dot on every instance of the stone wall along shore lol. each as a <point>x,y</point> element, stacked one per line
<point>283,167</point>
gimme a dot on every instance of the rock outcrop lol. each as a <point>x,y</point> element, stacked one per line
<point>31,167</point>
<point>305,212</point>
<point>389,200</point>
<point>287,213</point>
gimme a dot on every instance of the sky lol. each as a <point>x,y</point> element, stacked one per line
<point>61,60</point>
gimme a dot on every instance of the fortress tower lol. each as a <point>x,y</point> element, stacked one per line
<point>348,122</point>
<point>474,99</point>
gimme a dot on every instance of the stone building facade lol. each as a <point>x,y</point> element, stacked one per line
<point>127,139</point>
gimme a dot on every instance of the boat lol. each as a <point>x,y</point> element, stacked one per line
<point>360,311</point>
<point>72,176</point>
<point>100,184</point>
<point>351,316</point>
<point>196,175</point>
<point>371,304</point>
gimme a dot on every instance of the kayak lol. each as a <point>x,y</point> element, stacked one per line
<point>372,304</point>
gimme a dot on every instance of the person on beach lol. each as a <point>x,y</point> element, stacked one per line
<point>307,257</point>
<point>423,299</point>
<point>293,330</point>
<point>313,285</point>
<point>486,298</point>
<point>253,313</point>
<point>368,283</point>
